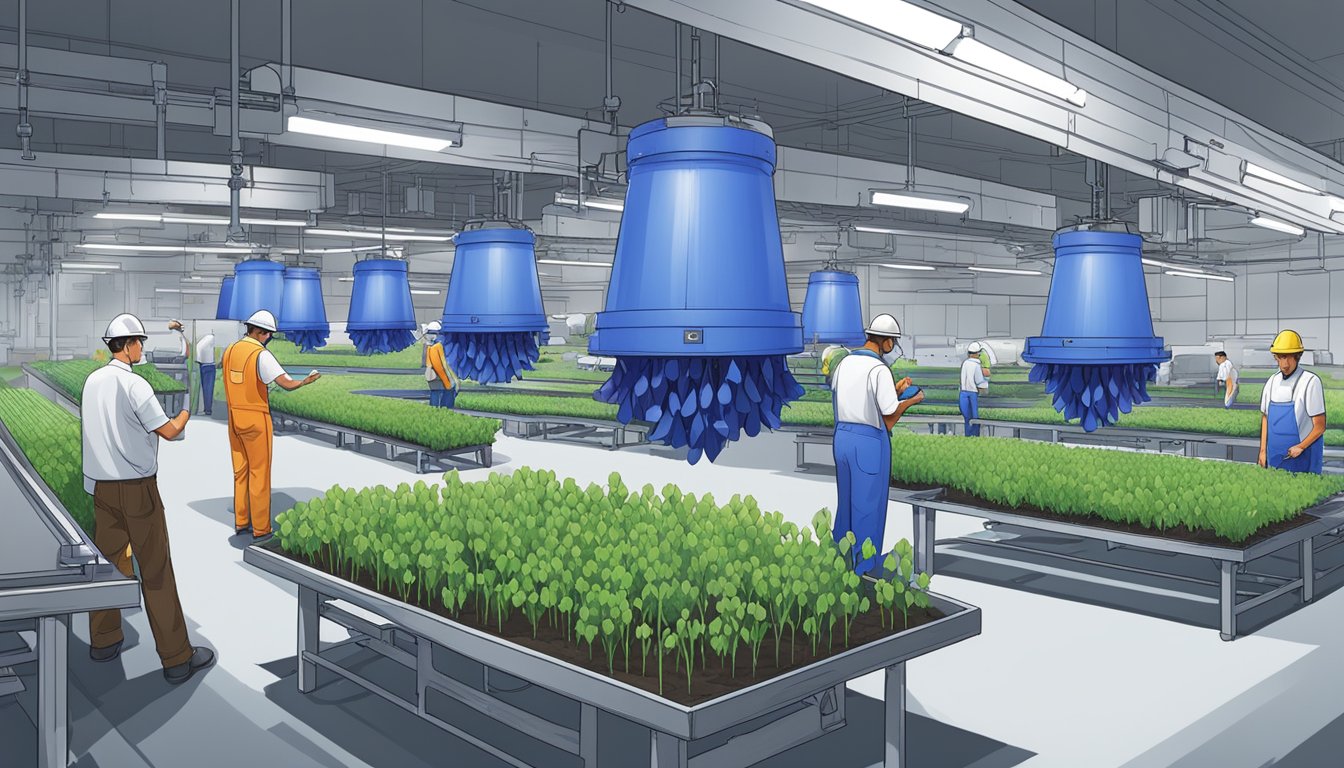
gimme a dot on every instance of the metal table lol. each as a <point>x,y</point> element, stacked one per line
<point>172,402</point>
<point>569,428</point>
<point>778,713</point>
<point>425,458</point>
<point>1328,516</point>
<point>49,570</point>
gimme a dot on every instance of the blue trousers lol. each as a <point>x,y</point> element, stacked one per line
<point>439,397</point>
<point>207,387</point>
<point>969,402</point>
<point>863,475</point>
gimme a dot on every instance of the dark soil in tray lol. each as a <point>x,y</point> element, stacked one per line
<point>705,684</point>
<point>1179,533</point>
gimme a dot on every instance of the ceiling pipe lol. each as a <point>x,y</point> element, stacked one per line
<point>287,46</point>
<point>24,130</point>
<point>236,233</point>
<point>611,103</point>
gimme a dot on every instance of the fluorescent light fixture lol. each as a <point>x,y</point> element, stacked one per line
<point>92,266</point>
<point>1336,204</point>
<point>319,251</point>
<point>602,203</point>
<point>565,262</point>
<point>129,247</point>
<point>1006,271</point>
<point>1199,275</point>
<point>347,279</point>
<point>197,280</point>
<point>167,290</point>
<point>366,234</point>
<point>424,292</point>
<point>237,248</point>
<point>1278,226</point>
<point>275,222</point>
<point>974,52</point>
<point>1157,263</point>
<point>917,201</point>
<point>897,18</point>
<point>912,267</point>
<point>418,284</point>
<point>1261,172</point>
<point>880,230</point>
<point>154,217</point>
<point>188,218</point>
<point>344,130</point>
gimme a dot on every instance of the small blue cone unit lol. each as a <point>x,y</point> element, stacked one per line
<point>381,318</point>
<point>303,316</point>
<point>224,309</point>
<point>697,311</point>
<point>831,312</point>
<point>493,314</point>
<point>257,285</point>
<point>1096,352</point>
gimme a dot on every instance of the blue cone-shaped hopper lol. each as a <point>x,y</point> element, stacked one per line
<point>257,285</point>
<point>303,316</point>
<point>697,311</point>
<point>831,312</point>
<point>224,309</point>
<point>493,313</point>
<point>381,317</point>
<point>1096,352</point>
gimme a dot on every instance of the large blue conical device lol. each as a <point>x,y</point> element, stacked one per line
<point>832,313</point>
<point>303,315</point>
<point>493,313</point>
<point>257,284</point>
<point>697,311</point>
<point>224,309</point>
<point>1096,352</point>
<point>381,317</point>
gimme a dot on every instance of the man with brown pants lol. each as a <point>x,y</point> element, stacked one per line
<point>122,423</point>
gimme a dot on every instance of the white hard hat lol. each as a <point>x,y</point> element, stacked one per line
<point>262,319</point>
<point>884,325</point>
<point>974,348</point>
<point>124,325</point>
<point>434,326</point>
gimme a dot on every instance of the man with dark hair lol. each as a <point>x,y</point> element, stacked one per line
<point>1229,382</point>
<point>1292,408</point>
<point>121,424</point>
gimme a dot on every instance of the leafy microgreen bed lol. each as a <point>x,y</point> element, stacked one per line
<point>49,436</point>
<point>330,400</point>
<point>670,592</point>
<point>69,375</point>
<point>1200,500</point>
<point>339,356</point>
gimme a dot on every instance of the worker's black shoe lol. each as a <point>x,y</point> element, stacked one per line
<point>241,531</point>
<point>262,539</point>
<point>200,659</point>
<point>107,653</point>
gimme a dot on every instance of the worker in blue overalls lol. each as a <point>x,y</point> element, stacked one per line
<point>868,402</point>
<point>973,382</point>
<point>1292,411</point>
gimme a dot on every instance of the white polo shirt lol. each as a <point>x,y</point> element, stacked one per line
<point>268,368</point>
<point>205,350</point>
<point>865,390</point>
<point>1308,397</point>
<point>1226,372</point>
<point>118,416</point>
<point>972,375</point>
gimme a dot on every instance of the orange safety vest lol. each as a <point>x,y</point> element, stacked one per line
<point>435,359</point>
<point>243,387</point>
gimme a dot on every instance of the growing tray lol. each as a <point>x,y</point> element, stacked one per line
<point>672,724</point>
<point>425,457</point>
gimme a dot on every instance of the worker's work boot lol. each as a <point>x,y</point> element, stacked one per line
<point>262,539</point>
<point>107,653</point>
<point>200,659</point>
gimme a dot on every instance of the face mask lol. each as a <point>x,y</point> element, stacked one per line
<point>267,342</point>
<point>895,354</point>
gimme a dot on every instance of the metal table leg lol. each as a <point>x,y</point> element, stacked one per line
<point>798,446</point>
<point>53,637</point>
<point>666,751</point>
<point>1227,599</point>
<point>308,639</point>
<point>1308,570</point>
<point>894,719</point>
<point>588,735</point>
<point>925,523</point>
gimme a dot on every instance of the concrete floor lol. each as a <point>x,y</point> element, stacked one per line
<point>1050,682</point>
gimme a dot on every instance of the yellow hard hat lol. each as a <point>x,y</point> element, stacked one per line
<point>1287,343</point>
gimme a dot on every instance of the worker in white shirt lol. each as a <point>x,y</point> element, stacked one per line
<point>121,424</point>
<point>249,368</point>
<point>868,402</point>
<point>1292,411</point>
<point>974,380</point>
<point>1229,381</point>
<point>205,360</point>
<point>176,327</point>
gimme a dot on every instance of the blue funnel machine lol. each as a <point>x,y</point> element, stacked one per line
<point>697,310</point>
<point>832,313</point>
<point>493,314</point>
<point>224,309</point>
<point>258,284</point>
<point>381,317</point>
<point>1096,352</point>
<point>303,316</point>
